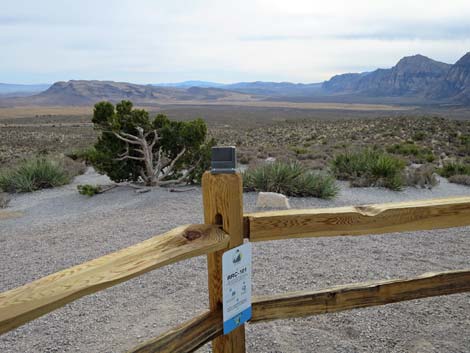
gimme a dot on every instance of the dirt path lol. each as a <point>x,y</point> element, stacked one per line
<point>61,228</point>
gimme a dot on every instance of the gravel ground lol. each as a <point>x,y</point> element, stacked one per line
<point>61,228</point>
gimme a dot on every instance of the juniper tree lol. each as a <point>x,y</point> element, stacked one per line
<point>160,151</point>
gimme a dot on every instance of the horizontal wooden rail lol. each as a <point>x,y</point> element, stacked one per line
<point>186,338</point>
<point>359,220</point>
<point>359,295</point>
<point>195,333</point>
<point>23,304</point>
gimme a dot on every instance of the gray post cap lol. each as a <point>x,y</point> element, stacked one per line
<point>224,160</point>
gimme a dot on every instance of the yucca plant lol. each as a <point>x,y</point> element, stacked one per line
<point>34,174</point>
<point>291,179</point>
<point>369,168</point>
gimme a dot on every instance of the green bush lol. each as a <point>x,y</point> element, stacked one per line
<point>299,150</point>
<point>419,136</point>
<point>464,147</point>
<point>369,168</point>
<point>88,190</point>
<point>419,154</point>
<point>244,159</point>
<point>33,175</point>
<point>173,137</point>
<point>291,179</point>
<point>454,168</point>
<point>406,149</point>
<point>84,154</point>
<point>460,179</point>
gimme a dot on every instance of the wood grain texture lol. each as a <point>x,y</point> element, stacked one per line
<point>223,201</point>
<point>23,304</point>
<point>359,295</point>
<point>186,338</point>
<point>359,220</point>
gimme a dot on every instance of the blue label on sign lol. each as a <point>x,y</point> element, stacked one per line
<point>236,321</point>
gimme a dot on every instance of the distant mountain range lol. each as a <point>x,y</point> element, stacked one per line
<point>413,76</point>
<point>286,89</point>
<point>187,84</point>
<point>414,79</point>
<point>89,92</point>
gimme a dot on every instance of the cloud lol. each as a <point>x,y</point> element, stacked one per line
<point>414,30</point>
<point>154,41</point>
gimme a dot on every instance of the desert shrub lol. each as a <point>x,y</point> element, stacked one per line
<point>244,159</point>
<point>299,150</point>
<point>465,139</point>
<point>429,158</point>
<point>423,176</point>
<point>88,190</point>
<point>34,174</point>
<point>464,147</point>
<point>291,179</point>
<point>369,168</point>
<point>419,136</point>
<point>460,179</point>
<point>406,149</point>
<point>84,154</point>
<point>420,154</point>
<point>454,168</point>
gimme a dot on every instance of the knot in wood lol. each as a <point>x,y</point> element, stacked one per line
<point>192,234</point>
<point>368,210</point>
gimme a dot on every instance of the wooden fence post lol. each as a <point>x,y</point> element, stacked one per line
<point>223,204</point>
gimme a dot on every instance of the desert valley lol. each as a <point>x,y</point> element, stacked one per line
<point>123,187</point>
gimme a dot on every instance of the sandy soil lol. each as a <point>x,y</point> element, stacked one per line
<point>31,111</point>
<point>61,228</point>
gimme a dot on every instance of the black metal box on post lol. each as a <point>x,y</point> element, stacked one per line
<point>224,160</point>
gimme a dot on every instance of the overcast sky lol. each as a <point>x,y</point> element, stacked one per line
<point>149,41</point>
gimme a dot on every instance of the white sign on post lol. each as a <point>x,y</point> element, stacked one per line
<point>236,286</point>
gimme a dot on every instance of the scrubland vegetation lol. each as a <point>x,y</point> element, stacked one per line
<point>392,152</point>
<point>456,172</point>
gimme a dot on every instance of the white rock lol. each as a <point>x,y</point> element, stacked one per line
<point>270,160</point>
<point>272,200</point>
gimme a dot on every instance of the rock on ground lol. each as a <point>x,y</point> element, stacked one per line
<point>272,200</point>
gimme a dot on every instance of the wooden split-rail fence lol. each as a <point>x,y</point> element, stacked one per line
<point>225,226</point>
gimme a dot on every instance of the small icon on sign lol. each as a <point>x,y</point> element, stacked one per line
<point>237,319</point>
<point>237,257</point>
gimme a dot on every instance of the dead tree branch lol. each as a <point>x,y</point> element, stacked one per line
<point>157,166</point>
